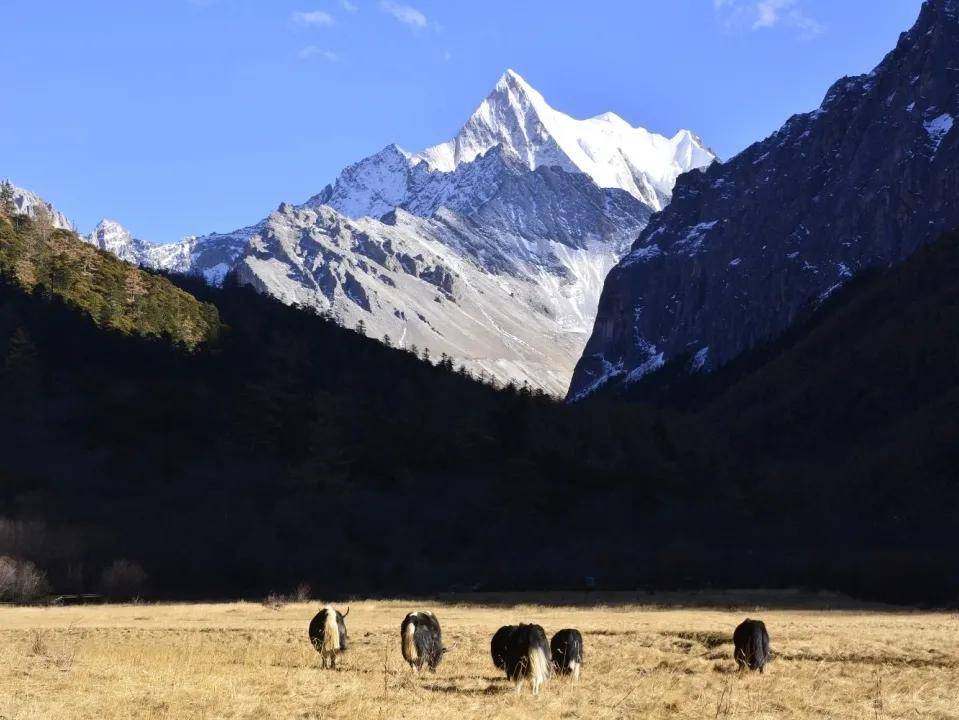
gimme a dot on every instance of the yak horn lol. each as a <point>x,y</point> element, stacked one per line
<point>347,611</point>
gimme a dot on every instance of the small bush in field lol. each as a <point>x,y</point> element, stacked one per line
<point>123,580</point>
<point>21,581</point>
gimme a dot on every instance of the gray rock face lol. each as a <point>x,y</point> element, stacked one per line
<point>499,267</point>
<point>491,248</point>
<point>27,203</point>
<point>747,245</point>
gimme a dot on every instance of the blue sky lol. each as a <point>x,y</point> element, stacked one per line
<point>180,117</point>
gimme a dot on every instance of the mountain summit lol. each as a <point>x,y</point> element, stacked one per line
<point>749,245</point>
<point>609,150</point>
<point>516,118</point>
<point>490,249</point>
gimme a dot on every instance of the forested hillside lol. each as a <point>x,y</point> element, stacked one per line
<point>292,450</point>
<point>115,294</point>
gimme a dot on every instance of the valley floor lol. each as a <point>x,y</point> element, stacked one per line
<point>672,659</point>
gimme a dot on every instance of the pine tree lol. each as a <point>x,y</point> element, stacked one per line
<point>42,222</point>
<point>21,352</point>
<point>387,340</point>
<point>361,327</point>
<point>7,206</point>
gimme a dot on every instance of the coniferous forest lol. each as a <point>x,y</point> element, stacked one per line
<point>270,447</point>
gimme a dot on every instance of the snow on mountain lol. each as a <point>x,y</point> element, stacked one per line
<point>211,256</point>
<point>748,246</point>
<point>416,281</point>
<point>111,236</point>
<point>607,148</point>
<point>27,202</point>
<point>499,267</point>
<point>492,248</point>
<point>516,118</point>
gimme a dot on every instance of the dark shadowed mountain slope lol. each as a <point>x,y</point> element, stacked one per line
<point>747,246</point>
<point>871,384</point>
<point>848,421</point>
<point>298,451</point>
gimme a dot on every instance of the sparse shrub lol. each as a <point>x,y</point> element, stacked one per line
<point>302,593</point>
<point>274,601</point>
<point>123,580</point>
<point>21,581</point>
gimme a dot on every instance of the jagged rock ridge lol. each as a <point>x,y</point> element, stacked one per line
<point>492,251</point>
<point>746,246</point>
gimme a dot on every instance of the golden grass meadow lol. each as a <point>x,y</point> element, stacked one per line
<point>656,657</point>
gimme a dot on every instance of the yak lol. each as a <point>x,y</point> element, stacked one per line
<point>523,652</point>
<point>498,645</point>
<point>752,645</point>
<point>421,640</point>
<point>566,648</point>
<point>328,634</point>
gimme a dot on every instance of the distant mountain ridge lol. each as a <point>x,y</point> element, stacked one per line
<point>746,246</point>
<point>492,251</point>
<point>27,202</point>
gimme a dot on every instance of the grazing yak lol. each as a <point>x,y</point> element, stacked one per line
<point>567,651</point>
<point>524,653</point>
<point>752,645</point>
<point>328,634</point>
<point>499,644</point>
<point>422,640</point>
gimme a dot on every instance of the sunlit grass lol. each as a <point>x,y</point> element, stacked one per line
<point>247,660</point>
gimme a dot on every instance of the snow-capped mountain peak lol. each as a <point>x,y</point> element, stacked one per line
<point>111,236</point>
<point>606,147</point>
<point>491,248</point>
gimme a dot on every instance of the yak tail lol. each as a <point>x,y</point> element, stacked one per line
<point>331,631</point>
<point>539,667</point>
<point>409,643</point>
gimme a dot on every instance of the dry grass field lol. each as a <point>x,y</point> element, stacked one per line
<point>670,659</point>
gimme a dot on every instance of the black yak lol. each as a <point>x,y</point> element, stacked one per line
<point>422,640</point>
<point>525,654</point>
<point>499,644</point>
<point>328,634</point>
<point>752,645</point>
<point>567,650</point>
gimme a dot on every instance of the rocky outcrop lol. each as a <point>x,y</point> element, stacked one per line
<point>746,246</point>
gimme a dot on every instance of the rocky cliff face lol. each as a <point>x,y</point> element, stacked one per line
<point>501,268</point>
<point>491,248</point>
<point>747,245</point>
<point>27,202</point>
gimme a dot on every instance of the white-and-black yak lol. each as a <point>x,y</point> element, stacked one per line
<point>752,645</point>
<point>566,647</point>
<point>524,653</point>
<point>328,634</point>
<point>421,640</point>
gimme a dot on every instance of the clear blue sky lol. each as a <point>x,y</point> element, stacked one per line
<point>180,117</point>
